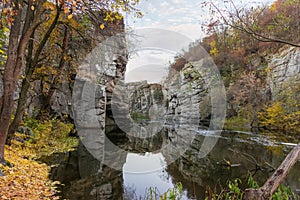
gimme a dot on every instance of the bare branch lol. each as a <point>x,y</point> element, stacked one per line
<point>239,23</point>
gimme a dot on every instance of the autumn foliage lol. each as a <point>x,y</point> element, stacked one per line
<point>241,41</point>
<point>25,177</point>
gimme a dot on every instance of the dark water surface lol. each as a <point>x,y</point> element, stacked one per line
<point>236,154</point>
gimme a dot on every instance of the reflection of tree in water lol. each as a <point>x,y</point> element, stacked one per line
<point>79,170</point>
<point>234,156</point>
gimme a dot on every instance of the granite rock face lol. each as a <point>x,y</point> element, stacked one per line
<point>187,93</point>
<point>144,96</point>
<point>92,97</point>
<point>185,96</point>
<point>61,101</point>
<point>284,70</point>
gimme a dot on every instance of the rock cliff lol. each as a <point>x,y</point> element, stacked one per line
<point>284,70</point>
<point>144,96</point>
<point>185,95</point>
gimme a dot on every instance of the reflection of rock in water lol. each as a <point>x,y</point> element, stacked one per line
<point>234,156</point>
<point>84,178</point>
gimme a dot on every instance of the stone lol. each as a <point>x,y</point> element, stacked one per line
<point>104,191</point>
<point>284,69</point>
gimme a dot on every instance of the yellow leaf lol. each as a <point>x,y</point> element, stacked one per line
<point>70,16</point>
<point>6,29</point>
<point>102,26</point>
<point>4,12</point>
<point>66,10</point>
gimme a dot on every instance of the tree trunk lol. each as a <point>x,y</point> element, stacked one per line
<point>16,52</point>
<point>46,98</point>
<point>22,101</point>
<point>9,82</point>
<point>2,142</point>
<point>271,185</point>
<point>31,64</point>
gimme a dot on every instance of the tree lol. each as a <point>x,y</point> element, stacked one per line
<point>16,53</point>
<point>265,24</point>
<point>32,60</point>
<point>25,17</point>
<point>271,185</point>
<point>248,92</point>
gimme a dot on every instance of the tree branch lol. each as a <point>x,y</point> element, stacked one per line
<point>271,185</point>
<point>246,28</point>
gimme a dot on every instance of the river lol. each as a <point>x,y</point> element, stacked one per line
<point>235,155</point>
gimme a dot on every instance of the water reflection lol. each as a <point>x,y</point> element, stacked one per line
<point>140,172</point>
<point>147,163</point>
<point>143,167</point>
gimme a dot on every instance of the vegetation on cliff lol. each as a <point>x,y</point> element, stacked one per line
<point>242,42</point>
<point>256,51</point>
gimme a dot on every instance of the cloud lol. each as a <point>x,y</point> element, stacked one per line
<point>175,15</point>
<point>179,1</point>
<point>148,64</point>
<point>191,30</point>
<point>164,4</point>
<point>147,57</point>
<point>152,73</point>
<point>179,16</point>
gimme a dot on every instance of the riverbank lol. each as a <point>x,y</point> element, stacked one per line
<point>25,178</point>
<point>23,175</point>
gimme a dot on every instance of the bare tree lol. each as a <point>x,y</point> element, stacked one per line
<point>261,23</point>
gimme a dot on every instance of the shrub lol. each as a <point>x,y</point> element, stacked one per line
<point>275,117</point>
<point>48,137</point>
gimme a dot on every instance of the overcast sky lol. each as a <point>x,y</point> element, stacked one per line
<point>181,16</point>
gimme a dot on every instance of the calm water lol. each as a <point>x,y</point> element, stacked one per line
<point>145,166</point>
